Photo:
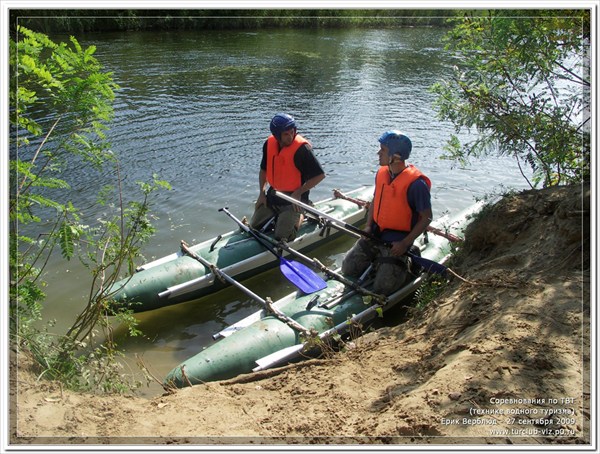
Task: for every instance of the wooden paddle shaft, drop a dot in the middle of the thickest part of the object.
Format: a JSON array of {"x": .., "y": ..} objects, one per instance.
[
  {"x": 429, "y": 265},
  {"x": 357, "y": 232},
  {"x": 266, "y": 303}
]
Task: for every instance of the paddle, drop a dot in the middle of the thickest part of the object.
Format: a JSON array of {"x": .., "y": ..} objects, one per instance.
[
  {"x": 364, "y": 204},
  {"x": 265, "y": 302},
  {"x": 314, "y": 263},
  {"x": 429, "y": 265},
  {"x": 297, "y": 273}
]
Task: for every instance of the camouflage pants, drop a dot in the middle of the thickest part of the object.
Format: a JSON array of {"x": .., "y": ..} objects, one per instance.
[
  {"x": 390, "y": 272},
  {"x": 287, "y": 223}
]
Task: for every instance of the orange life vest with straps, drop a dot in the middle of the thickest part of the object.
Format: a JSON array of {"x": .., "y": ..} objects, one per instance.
[
  {"x": 282, "y": 173},
  {"x": 391, "y": 209}
]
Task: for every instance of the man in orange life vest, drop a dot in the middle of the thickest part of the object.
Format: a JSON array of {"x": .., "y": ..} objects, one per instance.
[
  {"x": 399, "y": 213},
  {"x": 288, "y": 165}
]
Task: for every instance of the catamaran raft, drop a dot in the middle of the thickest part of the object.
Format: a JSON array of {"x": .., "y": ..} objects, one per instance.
[{"x": 289, "y": 328}]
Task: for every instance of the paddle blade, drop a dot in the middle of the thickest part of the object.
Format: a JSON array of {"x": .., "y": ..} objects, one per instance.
[
  {"x": 301, "y": 276},
  {"x": 428, "y": 265}
]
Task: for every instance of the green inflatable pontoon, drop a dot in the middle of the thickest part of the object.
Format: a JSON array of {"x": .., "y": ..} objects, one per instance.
[
  {"x": 291, "y": 326},
  {"x": 177, "y": 277}
]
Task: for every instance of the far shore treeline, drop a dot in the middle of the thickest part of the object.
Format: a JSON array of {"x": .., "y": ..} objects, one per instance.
[
  {"x": 81, "y": 20},
  {"x": 87, "y": 20}
]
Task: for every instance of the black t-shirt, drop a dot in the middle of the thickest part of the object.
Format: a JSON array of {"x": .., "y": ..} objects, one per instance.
[{"x": 304, "y": 160}]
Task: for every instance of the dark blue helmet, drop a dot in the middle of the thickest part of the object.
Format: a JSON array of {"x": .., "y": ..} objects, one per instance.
[
  {"x": 280, "y": 123},
  {"x": 397, "y": 143}
]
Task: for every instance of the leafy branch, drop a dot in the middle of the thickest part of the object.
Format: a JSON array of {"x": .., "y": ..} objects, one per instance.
[
  {"x": 522, "y": 83},
  {"x": 67, "y": 81}
]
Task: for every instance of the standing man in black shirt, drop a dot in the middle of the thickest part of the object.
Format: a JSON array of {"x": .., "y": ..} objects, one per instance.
[{"x": 288, "y": 165}]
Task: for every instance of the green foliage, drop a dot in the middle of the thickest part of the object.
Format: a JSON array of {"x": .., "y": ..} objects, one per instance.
[
  {"x": 66, "y": 81},
  {"x": 80, "y": 367},
  {"x": 523, "y": 84},
  {"x": 109, "y": 249},
  {"x": 46, "y": 76},
  {"x": 66, "y": 239},
  {"x": 86, "y": 357},
  {"x": 63, "y": 79},
  {"x": 428, "y": 292}
]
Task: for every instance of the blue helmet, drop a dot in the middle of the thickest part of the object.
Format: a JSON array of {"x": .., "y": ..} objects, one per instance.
[
  {"x": 281, "y": 122},
  {"x": 397, "y": 143}
]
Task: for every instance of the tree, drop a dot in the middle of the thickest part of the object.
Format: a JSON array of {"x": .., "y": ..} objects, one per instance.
[
  {"x": 60, "y": 107},
  {"x": 67, "y": 81},
  {"x": 523, "y": 83}
]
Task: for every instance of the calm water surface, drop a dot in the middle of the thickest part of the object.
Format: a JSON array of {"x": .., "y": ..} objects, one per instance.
[{"x": 194, "y": 108}]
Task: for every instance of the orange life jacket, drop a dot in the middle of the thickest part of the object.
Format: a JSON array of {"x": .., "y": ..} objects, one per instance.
[
  {"x": 390, "y": 204},
  {"x": 282, "y": 173}
]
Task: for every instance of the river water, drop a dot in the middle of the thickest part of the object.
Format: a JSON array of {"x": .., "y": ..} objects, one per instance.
[{"x": 194, "y": 108}]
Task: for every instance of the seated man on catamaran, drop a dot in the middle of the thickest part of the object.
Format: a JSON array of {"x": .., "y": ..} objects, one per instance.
[
  {"x": 399, "y": 213},
  {"x": 288, "y": 165}
]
